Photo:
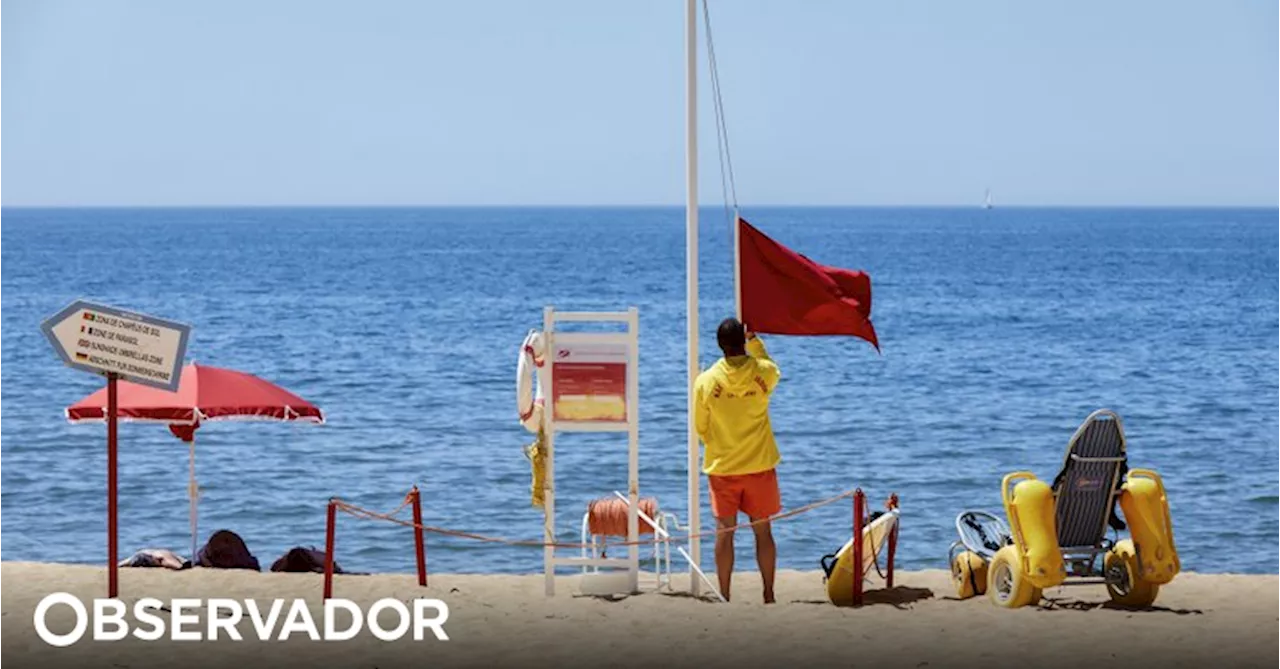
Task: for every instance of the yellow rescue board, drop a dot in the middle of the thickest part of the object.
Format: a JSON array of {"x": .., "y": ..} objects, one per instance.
[{"x": 875, "y": 537}]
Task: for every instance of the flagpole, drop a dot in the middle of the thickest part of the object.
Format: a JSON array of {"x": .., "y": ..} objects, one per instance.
[
  {"x": 737, "y": 264},
  {"x": 691, "y": 274}
]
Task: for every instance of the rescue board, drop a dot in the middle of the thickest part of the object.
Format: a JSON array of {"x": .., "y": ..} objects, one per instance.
[{"x": 875, "y": 536}]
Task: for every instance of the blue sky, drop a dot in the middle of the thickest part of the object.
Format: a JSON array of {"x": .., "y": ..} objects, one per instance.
[{"x": 581, "y": 102}]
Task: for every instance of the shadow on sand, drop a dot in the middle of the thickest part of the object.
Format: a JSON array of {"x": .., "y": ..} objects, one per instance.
[
  {"x": 899, "y": 597},
  {"x": 1078, "y": 605},
  {"x": 620, "y": 597}
]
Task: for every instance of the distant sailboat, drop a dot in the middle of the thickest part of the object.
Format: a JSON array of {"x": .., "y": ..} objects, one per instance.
[{"x": 987, "y": 203}]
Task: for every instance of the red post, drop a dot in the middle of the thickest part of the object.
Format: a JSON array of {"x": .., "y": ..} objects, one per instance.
[
  {"x": 113, "y": 585},
  {"x": 859, "y": 509},
  {"x": 419, "y": 541},
  {"x": 893, "y": 542},
  {"x": 329, "y": 527}
]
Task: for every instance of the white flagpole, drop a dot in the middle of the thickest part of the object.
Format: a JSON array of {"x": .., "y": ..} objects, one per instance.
[{"x": 691, "y": 273}]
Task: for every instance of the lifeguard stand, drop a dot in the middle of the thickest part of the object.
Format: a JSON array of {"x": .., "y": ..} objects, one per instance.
[{"x": 593, "y": 386}]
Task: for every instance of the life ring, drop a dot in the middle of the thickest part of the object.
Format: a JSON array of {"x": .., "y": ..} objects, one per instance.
[{"x": 528, "y": 403}]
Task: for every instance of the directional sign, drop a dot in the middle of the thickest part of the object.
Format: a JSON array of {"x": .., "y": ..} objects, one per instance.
[{"x": 102, "y": 339}]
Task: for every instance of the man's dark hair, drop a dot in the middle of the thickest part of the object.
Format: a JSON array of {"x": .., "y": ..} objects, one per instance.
[{"x": 732, "y": 337}]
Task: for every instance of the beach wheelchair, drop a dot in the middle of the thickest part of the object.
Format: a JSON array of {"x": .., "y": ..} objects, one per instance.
[{"x": 1057, "y": 534}]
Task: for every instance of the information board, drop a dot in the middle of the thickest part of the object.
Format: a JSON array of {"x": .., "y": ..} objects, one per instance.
[{"x": 589, "y": 383}]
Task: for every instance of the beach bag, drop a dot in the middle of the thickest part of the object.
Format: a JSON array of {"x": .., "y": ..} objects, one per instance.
[
  {"x": 303, "y": 559},
  {"x": 226, "y": 550}
]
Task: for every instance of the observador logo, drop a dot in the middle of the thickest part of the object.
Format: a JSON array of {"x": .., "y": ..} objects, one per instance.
[{"x": 180, "y": 620}]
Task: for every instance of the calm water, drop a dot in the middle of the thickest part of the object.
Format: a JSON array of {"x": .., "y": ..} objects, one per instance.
[{"x": 1001, "y": 331}]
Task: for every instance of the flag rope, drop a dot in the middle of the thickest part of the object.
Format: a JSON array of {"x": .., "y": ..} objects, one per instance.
[{"x": 728, "y": 186}]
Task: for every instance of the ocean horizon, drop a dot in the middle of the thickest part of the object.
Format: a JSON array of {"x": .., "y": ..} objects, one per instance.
[
  {"x": 1001, "y": 331},
  {"x": 703, "y": 209}
]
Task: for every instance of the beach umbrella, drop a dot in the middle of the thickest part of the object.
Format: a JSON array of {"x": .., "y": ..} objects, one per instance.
[{"x": 204, "y": 394}]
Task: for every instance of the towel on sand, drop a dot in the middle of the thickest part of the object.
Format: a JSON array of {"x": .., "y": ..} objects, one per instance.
[{"x": 156, "y": 557}]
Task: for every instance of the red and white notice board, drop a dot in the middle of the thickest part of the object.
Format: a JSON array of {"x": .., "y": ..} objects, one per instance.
[{"x": 589, "y": 382}]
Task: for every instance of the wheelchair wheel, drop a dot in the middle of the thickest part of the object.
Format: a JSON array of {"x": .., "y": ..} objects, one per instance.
[
  {"x": 1007, "y": 586},
  {"x": 1124, "y": 584}
]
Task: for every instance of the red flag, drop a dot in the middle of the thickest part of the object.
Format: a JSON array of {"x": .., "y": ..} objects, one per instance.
[{"x": 785, "y": 293}]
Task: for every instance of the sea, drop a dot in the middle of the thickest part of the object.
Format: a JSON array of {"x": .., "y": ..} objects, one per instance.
[{"x": 1001, "y": 330}]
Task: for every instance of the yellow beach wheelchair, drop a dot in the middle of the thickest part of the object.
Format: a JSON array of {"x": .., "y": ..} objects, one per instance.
[
  {"x": 1058, "y": 534},
  {"x": 982, "y": 535}
]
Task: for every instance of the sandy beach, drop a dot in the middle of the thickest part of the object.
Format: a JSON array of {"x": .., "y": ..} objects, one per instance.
[{"x": 495, "y": 620}]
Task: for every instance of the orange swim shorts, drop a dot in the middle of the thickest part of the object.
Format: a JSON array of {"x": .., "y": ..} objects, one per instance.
[{"x": 756, "y": 494}]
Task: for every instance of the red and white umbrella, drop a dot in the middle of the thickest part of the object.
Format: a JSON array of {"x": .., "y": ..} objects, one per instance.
[{"x": 204, "y": 394}]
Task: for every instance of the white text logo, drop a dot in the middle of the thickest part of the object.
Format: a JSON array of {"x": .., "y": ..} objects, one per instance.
[{"x": 341, "y": 619}]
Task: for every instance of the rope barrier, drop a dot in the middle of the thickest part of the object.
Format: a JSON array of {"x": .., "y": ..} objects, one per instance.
[
  {"x": 368, "y": 514},
  {"x": 414, "y": 498},
  {"x": 408, "y": 499}
]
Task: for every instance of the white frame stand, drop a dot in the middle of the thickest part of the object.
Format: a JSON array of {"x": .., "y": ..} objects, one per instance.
[{"x": 630, "y": 339}]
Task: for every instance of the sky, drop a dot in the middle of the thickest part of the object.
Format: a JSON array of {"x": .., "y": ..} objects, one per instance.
[{"x": 488, "y": 102}]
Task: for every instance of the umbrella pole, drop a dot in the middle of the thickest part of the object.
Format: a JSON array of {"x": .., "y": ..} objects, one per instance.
[
  {"x": 193, "y": 493},
  {"x": 112, "y": 409}
]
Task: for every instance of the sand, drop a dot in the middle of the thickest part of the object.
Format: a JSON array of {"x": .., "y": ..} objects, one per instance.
[{"x": 1200, "y": 620}]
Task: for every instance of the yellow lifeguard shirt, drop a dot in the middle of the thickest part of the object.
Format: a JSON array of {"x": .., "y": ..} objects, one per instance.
[{"x": 731, "y": 407}]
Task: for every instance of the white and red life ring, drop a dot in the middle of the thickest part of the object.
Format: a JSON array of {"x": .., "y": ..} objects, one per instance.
[{"x": 532, "y": 359}]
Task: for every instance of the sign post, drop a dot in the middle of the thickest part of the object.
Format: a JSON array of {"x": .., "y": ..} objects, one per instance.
[
  {"x": 593, "y": 386},
  {"x": 117, "y": 344},
  {"x": 113, "y": 558}
]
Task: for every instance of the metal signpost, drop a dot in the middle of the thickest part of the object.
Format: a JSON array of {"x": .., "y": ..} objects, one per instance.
[{"x": 119, "y": 345}]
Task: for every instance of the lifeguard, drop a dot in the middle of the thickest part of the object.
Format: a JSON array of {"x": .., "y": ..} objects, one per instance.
[{"x": 732, "y": 418}]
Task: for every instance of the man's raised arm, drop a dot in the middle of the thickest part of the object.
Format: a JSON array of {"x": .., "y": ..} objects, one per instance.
[{"x": 756, "y": 349}]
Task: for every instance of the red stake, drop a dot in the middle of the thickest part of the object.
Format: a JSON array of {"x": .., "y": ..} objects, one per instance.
[
  {"x": 330, "y": 522},
  {"x": 893, "y": 542},
  {"x": 419, "y": 542},
  {"x": 859, "y": 508},
  {"x": 113, "y": 588}
]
